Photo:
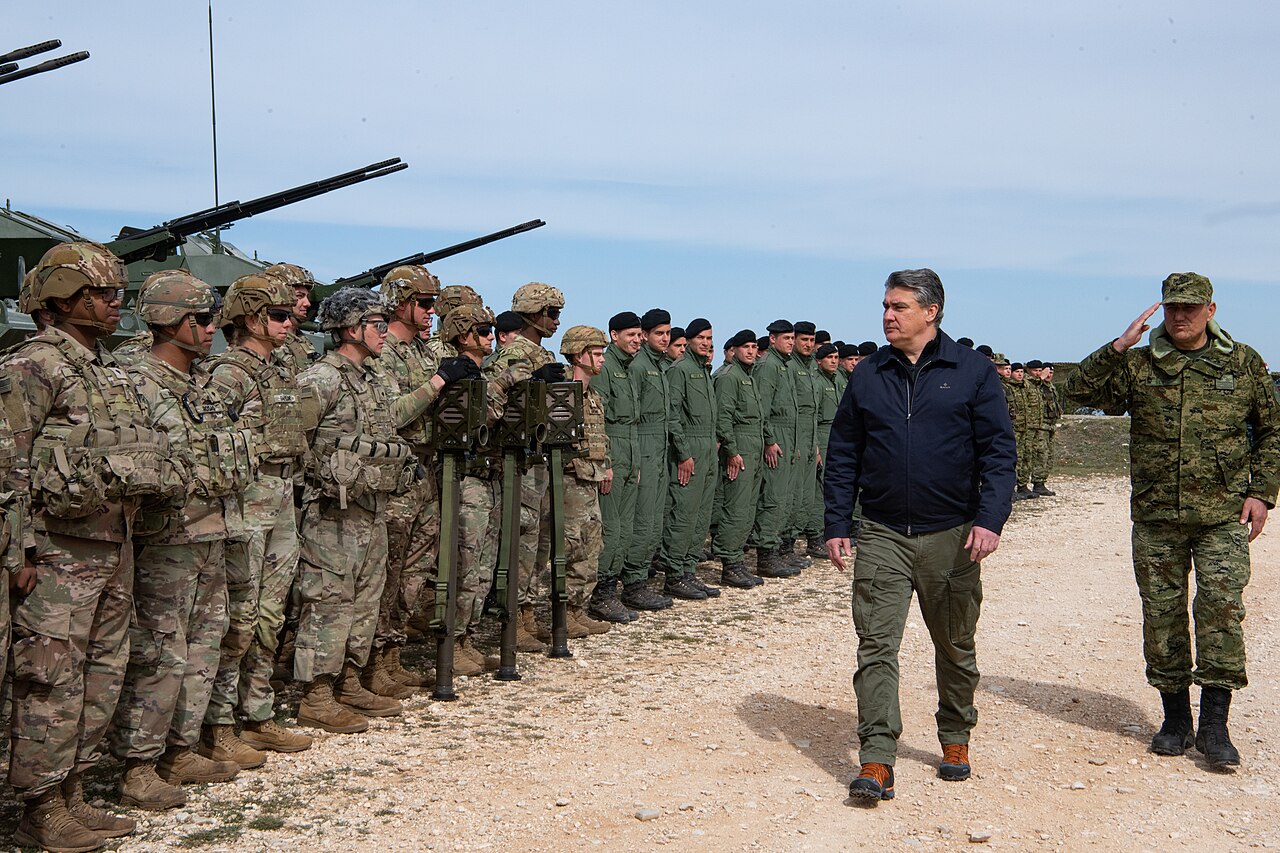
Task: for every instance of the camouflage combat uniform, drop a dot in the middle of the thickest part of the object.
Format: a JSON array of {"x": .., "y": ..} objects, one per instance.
[
  {"x": 1017, "y": 403},
  {"x": 583, "y": 527},
  {"x": 1052, "y": 415},
  {"x": 1191, "y": 466},
  {"x": 14, "y": 501},
  {"x": 180, "y": 581},
  {"x": 1032, "y": 463},
  {"x": 296, "y": 354}
]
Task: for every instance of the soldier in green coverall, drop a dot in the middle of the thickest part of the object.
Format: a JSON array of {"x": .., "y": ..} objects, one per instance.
[
  {"x": 805, "y": 511},
  {"x": 775, "y": 385},
  {"x": 740, "y": 432}
]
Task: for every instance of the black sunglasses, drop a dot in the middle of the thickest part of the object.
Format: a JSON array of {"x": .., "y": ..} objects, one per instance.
[
  {"x": 553, "y": 313},
  {"x": 484, "y": 331},
  {"x": 425, "y": 302},
  {"x": 279, "y": 315},
  {"x": 204, "y": 318}
]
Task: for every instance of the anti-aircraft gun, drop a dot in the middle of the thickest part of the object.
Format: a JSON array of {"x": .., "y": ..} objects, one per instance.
[{"x": 9, "y": 70}]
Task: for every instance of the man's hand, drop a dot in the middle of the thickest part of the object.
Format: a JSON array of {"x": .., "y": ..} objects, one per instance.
[
  {"x": 819, "y": 457},
  {"x": 772, "y": 454},
  {"x": 734, "y": 467},
  {"x": 607, "y": 483},
  {"x": 982, "y": 543},
  {"x": 1254, "y": 514},
  {"x": 24, "y": 579},
  {"x": 837, "y": 550},
  {"x": 684, "y": 471},
  {"x": 1133, "y": 335}
]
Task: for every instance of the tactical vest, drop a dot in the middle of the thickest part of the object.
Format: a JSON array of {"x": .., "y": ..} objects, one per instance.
[
  {"x": 13, "y": 417},
  {"x": 418, "y": 431},
  {"x": 221, "y": 456},
  {"x": 287, "y": 411},
  {"x": 79, "y": 468},
  {"x": 374, "y": 460}
]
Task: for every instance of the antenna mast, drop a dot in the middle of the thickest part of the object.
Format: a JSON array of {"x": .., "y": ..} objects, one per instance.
[{"x": 213, "y": 114}]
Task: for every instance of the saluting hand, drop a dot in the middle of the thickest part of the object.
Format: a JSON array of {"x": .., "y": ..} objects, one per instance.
[{"x": 1136, "y": 330}]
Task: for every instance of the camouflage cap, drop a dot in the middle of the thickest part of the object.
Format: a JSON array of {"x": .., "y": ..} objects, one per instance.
[
  {"x": 1186, "y": 288},
  {"x": 578, "y": 338},
  {"x": 349, "y": 306},
  {"x": 535, "y": 296},
  {"x": 454, "y": 295},
  {"x": 1000, "y": 359},
  {"x": 292, "y": 275},
  {"x": 407, "y": 281},
  {"x": 68, "y": 267},
  {"x": 463, "y": 319},
  {"x": 250, "y": 294},
  {"x": 168, "y": 296}
]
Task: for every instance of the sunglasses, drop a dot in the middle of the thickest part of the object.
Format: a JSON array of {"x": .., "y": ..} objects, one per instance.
[
  {"x": 484, "y": 331},
  {"x": 279, "y": 315},
  {"x": 106, "y": 294},
  {"x": 426, "y": 302},
  {"x": 553, "y": 313},
  {"x": 204, "y": 318},
  {"x": 379, "y": 325}
]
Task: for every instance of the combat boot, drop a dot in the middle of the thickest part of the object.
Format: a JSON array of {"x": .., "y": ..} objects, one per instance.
[
  {"x": 527, "y": 640},
  {"x": 604, "y": 604},
  {"x": 816, "y": 548},
  {"x": 321, "y": 710},
  {"x": 269, "y": 735},
  {"x": 418, "y": 627},
  {"x": 463, "y": 663},
  {"x": 737, "y": 576},
  {"x": 770, "y": 565},
  {"x": 579, "y": 615},
  {"x": 488, "y": 663},
  {"x": 1041, "y": 490},
  {"x": 789, "y": 556},
  {"x": 92, "y": 818},
  {"x": 682, "y": 588},
  {"x": 350, "y": 694},
  {"x": 142, "y": 788},
  {"x": 638, "y": 596},
  {"x": 531, "y": 624},
  {"x": 574, "y": 629},
  {"x": 376, "y": 679},
  {"x": 1024, "y": 494},
  {"x": 405, "y": 676},
  {"x": 711, "y": 591},
  {"x": 182, "y": 765},
  {"x": 219, "y": 743},
  {"x": 1176, "y": 732},
  {"x": 47, "y": 825},
  {"x": 1213, "y": 739}
]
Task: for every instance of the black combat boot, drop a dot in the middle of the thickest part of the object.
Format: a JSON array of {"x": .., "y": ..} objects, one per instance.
[
  {"x": 737, "y": 576},
  {"x": 711, "y": 591},
  {"x": 638, "y": 596},
  {"x": 816, "y": 548},
  {"x": 1177, "y": 732},
  {"x": 1024, "y": 494},
  {"x": 1213, "y": 739},
  {"x": 768, "y": 565},
  {"x": 605, "y": 606},
  {"x": 787, "y": 553},
  {"x": 1041, "y": 490},
  {"x": 681, "y": 587}
]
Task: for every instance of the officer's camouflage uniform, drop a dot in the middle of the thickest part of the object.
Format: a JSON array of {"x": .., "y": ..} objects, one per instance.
[
  {"x": 653, "y": 409},
  {"x": 617, "y": 388},
  {"x": 1034, "y": 439},
  {"x": 1017, "y": 403},
  {"x": 1191, "y": 466},
  {"x": 740, "y": 431},
  {"x": 1052, "y": 415},
  {"x": 692, "y": 430},
  {"x": 775, "y": 386},
  {"x": 180, "y": 581}
]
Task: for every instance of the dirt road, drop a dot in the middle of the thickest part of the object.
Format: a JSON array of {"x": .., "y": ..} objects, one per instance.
[{"x": 729, "y": 725}]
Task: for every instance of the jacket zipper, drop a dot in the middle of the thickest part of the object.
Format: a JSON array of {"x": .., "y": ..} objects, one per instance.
[{"x": 911, "y": 383}]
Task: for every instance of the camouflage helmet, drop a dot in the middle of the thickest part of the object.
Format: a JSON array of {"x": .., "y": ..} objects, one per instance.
[
  {"x": 407, "y": 281},
  {"x": 463, "y": 319},
  {"x": 170, "y": 295},
  {"x": 292, "y": 275},
  {"x": 25, "y": 293},
  {"x": 535, "y": 296},
  {"x": 578, "y": 338},
  {"x": 349, "y": 306},
  {"x": 251, "y": 294},
  {"x": 68, "y": 267},
  {"x": 453, "y": 296}
]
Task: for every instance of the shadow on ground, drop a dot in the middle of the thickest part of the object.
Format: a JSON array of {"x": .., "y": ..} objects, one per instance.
[{"x": 1102, "y": 712}]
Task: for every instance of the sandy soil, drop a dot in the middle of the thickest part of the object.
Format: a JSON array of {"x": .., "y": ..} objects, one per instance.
[{"x": 730, "y": 725}]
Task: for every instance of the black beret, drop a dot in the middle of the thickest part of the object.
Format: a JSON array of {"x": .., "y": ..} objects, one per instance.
[
  {"x": 824, "y": 351},
  {"x": 823, "y": 336},
  {"x": 780, "y": 327},
  {"x": 847, "y": 350},
  {"x": 804, "y": 327},
  {"x": 1017, "y": 365},
  {"x": 1035, "y": 364},
  {"x": 697, "y": 326},
  {"x": 838, "y": 343},
  {"x": 624, "y": 320},
  {"x": 655, "y": 317},
  {"x": 868, "y": 348},
  {"x": 986, "y": 350},
  {"x": 965, "y": 342},
  {"x": 677, "y": 333},
  {"x": 508, "y": 321},
  {"x": 763, "y": 343},
  {"x": 746, "y": 336}
]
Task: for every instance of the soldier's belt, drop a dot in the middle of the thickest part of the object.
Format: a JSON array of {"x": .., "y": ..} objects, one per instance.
[{"x": 652, "y": 428}]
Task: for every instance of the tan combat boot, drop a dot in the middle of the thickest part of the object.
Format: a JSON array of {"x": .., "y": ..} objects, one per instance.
[
  {"x": 94, "y": 819},
  {"x": 320, "y": 710},
  {"x": 182, "y": 765},
  {"x": 142, "y": 788},
  {"x": 270, "y": 735},
  {"x": 377, "y": 679},
  {"x": 542, "y": 633},
  {"x": 490, "y": 663},
  {"x": 350, "y": 694},
  {"x": 47, "y": 825},
  {"x": 219, "y": 743},
  {"x": 526, "y": 636},
  {"x": 579, "y": 615},
  {"x": 465, "y": 663},
  {"x": 574, "y": 629},
  {"x": 405, "y": 676}
]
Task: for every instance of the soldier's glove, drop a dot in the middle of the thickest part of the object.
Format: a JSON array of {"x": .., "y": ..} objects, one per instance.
[
  {"x": 553, "y": 372},
  {"x": 453, "y": 369}
]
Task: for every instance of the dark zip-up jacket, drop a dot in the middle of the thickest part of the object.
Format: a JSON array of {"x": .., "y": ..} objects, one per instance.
[{"x": 924, "y": 454}]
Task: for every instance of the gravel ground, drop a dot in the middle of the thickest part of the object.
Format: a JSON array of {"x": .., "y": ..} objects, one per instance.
[{"x": 730, "y": 725}]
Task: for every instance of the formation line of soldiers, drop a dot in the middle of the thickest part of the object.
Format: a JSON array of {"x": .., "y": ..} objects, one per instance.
[{"x": 182, "y": 531}]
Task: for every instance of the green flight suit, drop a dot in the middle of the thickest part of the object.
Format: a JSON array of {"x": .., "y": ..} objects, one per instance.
[
  {"x": 805, "y": 370},
  {"x": 775, "y": 385},
  {"x": 653, "y": 409},
  {"x": 692, "y": 436},
  {"x": 740, "y": 431},
  {"x": 618, "y": 508},
  {"x": 828, "y": 400}
]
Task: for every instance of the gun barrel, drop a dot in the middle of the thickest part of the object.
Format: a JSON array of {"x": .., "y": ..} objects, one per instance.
[
  {"x": 48, "y": 65},
  {"x": 374, "y": 276},
  {"x": 24, "y": 52},
  {"x": 7, "y": 67}
]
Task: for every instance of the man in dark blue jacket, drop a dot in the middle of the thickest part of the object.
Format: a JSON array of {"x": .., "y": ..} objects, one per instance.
[{"x": 923, "y": 437}]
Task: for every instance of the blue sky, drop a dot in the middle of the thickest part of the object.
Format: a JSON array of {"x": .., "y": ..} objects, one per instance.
[{"x": 741, "y": 161}]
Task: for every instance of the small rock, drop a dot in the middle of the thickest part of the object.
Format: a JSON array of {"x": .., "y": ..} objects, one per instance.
[
  {"x": 802, "y": 744},
  {"x": 1124, "y": 790},
  {"x": 1077, "y": 785},
  {"x": 979, "y": 836},
  {"x": 686, "y": 807},
  {"x": 647, "y": 814},
  {"x": 1097, "y": 762},
  {"x": 563, "y": 801}
]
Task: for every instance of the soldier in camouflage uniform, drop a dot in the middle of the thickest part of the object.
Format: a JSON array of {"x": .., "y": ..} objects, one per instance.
[
  {"x": 180, "y": 578},
  {"x": 91, "y": 455},
  {"x": 693, "y": 465},
  {"x": 1201, "y": 491},
  {"x": 774, "y": 380},
  {"x": 804, "y": 511},
  {"x": 740, "y": 433},
  {"x": 540, "y": 306},
  {"x": 413, "y": 519},
  {"x": 1040, "y": 378},
  {"x": 449, "y": 298},
  {"x": 1017, "y": 403},
  {"x": 297, "y": 353},
  {"x": 262, "y": 555}
]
